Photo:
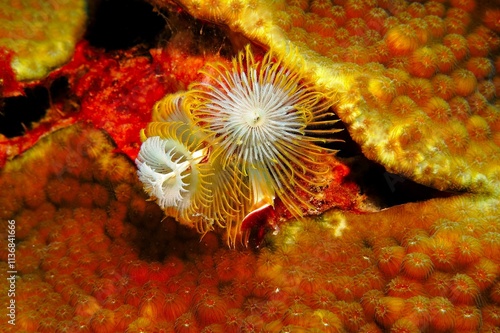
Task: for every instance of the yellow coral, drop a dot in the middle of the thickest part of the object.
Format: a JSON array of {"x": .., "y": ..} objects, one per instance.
[
  {"x": 400, "y": 36},
  {"x": 42, "y": 34}
]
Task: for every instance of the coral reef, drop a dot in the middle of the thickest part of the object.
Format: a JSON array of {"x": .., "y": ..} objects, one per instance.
[
  {"x": 115, "y": 91},
  {"x": 415, "y": 83},
  {"x": 372, "y": 52},
  {"x": 92, "y": 255}
]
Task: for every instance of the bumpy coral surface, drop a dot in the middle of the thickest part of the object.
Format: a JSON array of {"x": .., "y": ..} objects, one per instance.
[
  {"x": 93, "y": 255},
  {"x": 414, "y": 81},
  {"x": 41, "y": 34}
]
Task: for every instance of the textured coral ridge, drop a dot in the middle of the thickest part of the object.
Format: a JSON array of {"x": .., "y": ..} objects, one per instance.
[
  {"x": 42, "y": 34},
  {"x": 416, "y": 80},
  {"x": 93, "y": 255},
  {"x": 241, "y": 137},
  {"x": 437, "y": 272}
]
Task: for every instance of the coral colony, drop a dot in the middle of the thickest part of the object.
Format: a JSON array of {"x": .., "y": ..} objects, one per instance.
[
  {"x": 234, "y": 142},
  {"x": 244, "y": 210}
]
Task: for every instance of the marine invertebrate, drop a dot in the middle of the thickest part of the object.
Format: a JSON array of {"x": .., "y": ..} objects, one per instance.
[
  {"x": 442, "y": 314},
  {"x": 170, "y": 169},
  {"x": 417, "y": 311},
  {"x": 390, "y": 260},
  {"x": 480, "y": 66},
  {"x": 186, "y": 323},
  {"x": 103, "y": 321},
  {"x": 417, "y": 265},
  {"x": 253, "y": 130},
  {"x": 264, "y": 116},
  {"x": 152, "y": 304},
  {"x": 402, "y": 40},
  {"x": 457, "y": 45},
  {"x": 211, "y": 309},
  {"x": 163, "y": 166},
  {"x": 423, "y": 62},
  {"x": 338, "y": 238},
  {"x": 388, "y": 310},
  {"x": 174, "y": 306},
  {"x": 199, "y": 201},
  {"x": 465, "y": 82},
  {"x": 443, "y": 86},
  {"x": 463, "y": 290}
]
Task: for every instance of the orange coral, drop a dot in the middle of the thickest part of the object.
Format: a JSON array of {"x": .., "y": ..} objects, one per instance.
[{"x": 98, "y": 262}]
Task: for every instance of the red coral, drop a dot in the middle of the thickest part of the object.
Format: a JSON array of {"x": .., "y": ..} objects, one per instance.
[
  {"x": 116, "y": 91},
  {"x": 9, "y": 86}
]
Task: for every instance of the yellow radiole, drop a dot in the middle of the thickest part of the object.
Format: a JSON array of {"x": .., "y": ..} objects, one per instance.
[{"x": 234, "y": 142}]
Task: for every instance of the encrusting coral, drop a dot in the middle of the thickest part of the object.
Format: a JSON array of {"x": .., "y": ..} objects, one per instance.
[
  {"x": 416, "y": 84},
  {"x": 398, "y": 38},
  {"x": 92, "y": 255},
  {"x": 41, "y": 34}
]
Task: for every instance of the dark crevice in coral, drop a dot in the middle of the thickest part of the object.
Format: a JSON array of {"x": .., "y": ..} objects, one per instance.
[
  {"x": 122, "y": 24},
  {"x": 198, "y": 37},
  {"x": 383, "y": 188},
  {"x": 345, "y": 145},
  {"x": 18, "y": 113},
  {"x": 59, "y": 89},
  {"x": 62, "y": 98},
  {"x": 213, "y": 39},
  {"x": 386, "y": 189}
]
